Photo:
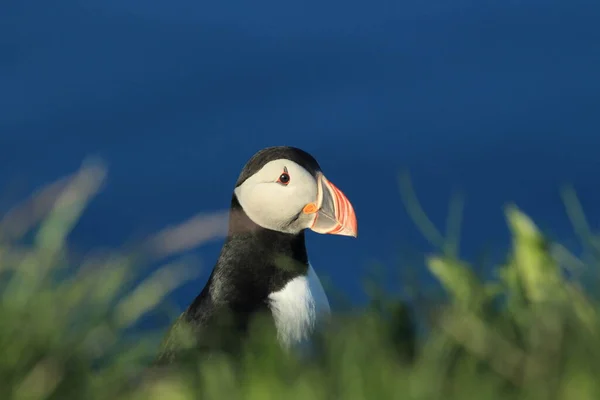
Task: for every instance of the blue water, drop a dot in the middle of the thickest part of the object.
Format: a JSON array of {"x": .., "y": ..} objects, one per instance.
[{"x": 499, "y": 99}]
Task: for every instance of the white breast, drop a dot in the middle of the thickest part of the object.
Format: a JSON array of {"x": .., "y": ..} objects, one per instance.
[{"x": 298, "y": 308}]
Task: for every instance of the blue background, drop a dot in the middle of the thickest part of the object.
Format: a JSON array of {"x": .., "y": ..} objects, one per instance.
[{"x": 499, "y": 99}]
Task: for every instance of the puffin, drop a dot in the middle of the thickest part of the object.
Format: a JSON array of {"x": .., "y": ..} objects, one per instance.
[{"x": 263, "y": 267}]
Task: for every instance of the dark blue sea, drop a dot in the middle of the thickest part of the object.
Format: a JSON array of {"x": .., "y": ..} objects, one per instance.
[{"x": 497, "y": 99}]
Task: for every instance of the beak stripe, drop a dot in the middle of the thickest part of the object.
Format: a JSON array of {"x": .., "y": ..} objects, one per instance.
[
  {"x": 340, "y": 207},
  {"x": 335, "y": 208}
]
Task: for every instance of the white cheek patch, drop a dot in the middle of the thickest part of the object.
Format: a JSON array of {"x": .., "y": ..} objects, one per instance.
[{"x": 273, "y": 205}]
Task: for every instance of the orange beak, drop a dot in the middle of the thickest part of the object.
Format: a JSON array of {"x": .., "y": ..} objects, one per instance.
[{"x": 333, "y": 211}]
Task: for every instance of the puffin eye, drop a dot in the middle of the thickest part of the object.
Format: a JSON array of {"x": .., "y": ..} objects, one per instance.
[{"x": 284, "y": 178}]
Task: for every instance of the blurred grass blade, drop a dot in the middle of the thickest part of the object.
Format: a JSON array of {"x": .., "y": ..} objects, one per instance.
[
  {"x": 69, "y": 206},
  {"x": 566, "y": 259},
  {"x": 51, "y": 236},
  {"x": 537, "y": 270},
  {"x": 453, "y": 224},
  {"x": 579, "y": 221},
  {"x": 473, "y": 334},
  {"x": 459, "y": 280},
  {"x": 23, "y": 217},
  {"x": 150, "y": 292},
  {"x": 188, "y": 235},
  {"x": 417, "y": 214},
  {"x": 40, "y": 382}
]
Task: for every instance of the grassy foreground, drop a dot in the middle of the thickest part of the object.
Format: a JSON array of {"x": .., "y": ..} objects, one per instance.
[{"x": 528, "y": 334}]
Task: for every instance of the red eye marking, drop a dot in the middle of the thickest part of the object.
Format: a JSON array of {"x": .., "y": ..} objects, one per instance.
[{"x": 284, "y": 178}]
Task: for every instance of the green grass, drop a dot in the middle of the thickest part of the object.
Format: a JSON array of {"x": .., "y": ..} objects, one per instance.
[{"x": 527, "y": 334}]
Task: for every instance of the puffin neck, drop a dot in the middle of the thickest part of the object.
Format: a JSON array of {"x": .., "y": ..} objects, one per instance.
[{"x": 267, "y": 243}]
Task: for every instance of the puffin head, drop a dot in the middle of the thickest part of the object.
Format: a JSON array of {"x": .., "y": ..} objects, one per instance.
[{"x": 283, "y": 189}]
